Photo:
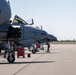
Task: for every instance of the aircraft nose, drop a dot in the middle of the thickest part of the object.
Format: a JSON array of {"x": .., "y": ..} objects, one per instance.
[
  {"x": 55, "y": 39},
  {"x": 43, "y": 35}
]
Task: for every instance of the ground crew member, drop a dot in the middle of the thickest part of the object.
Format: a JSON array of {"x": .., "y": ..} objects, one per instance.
[{"x": 48, "y": 46}]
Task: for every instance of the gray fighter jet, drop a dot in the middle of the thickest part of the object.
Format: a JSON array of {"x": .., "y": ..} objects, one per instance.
[
  {"x": 8, "y": 33},
  {"x": 16, "y": 32}
]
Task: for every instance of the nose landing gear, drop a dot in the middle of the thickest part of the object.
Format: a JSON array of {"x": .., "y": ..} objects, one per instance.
[
  {"x": 11, "y": 53},
  {"x": 33, "y": 51}
]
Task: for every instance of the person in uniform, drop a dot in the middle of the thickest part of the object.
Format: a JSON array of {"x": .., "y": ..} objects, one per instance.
[{"x": 48, "y": 47}]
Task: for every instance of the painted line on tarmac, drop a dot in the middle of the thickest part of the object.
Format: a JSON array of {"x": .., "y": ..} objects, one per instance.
[{"x": 27, "y": 65}]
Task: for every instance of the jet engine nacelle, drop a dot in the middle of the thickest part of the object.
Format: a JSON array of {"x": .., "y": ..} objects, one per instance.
[
  {"x": 5, "y": 11},
  {"x": 10, "y": 32},
  {"x": 14, "y": 32}
]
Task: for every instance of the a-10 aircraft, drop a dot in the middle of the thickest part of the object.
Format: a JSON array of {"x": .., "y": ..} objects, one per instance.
[
  {"x": 16, "y": 32},
  {"x": 7, "y": 32},
  {"x": 36, "y": 35}
]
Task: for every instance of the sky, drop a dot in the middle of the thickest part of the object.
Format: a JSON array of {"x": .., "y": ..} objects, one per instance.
[{"x": 58, "y": 17}]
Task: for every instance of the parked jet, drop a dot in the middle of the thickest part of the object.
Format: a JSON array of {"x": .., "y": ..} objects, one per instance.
[
  {"x": 50, "y": 38},
  {"x": 46, "y": 41},
  {"x": 32, "y": 35},
  {"x": 16, "y": 32},
  {"x": 7, "y": 32}
]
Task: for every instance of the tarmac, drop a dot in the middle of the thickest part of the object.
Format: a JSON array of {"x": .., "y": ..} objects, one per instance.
[{"x": 60, "y": 61}]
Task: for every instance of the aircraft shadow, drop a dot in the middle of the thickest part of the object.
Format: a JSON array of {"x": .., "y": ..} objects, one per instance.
[
  {"x": 33, "y": 62},
  {"x": 45, "y": 53},
  {"x": 42, "y": 53}
]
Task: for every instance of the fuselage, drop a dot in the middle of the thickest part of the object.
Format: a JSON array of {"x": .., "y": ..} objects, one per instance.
[
  {"x": 31, "y": 35},
  {"x": 5, "y": 12}
]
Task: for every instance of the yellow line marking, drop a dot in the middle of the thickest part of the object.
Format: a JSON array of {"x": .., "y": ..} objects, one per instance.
[{"x": 68, "y": 61}]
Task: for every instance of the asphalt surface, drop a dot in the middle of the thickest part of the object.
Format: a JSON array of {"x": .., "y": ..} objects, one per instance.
[{"x": 60, "y": 61}]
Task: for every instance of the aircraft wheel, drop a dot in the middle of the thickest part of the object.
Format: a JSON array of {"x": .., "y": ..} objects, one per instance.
[
  {"x": 11, "y": 58},
  {"x": 0, "y": 51},
  {"x": 33, "y": 51}
]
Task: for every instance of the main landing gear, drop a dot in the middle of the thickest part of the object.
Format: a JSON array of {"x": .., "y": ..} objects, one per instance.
[{"x": 11, "y": 53}]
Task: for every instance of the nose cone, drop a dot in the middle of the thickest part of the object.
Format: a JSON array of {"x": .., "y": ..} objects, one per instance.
[
  {"x": 55, "y": 39},
  {"x": 51, "y": 38},
  {"x": 5, "y": 11}
]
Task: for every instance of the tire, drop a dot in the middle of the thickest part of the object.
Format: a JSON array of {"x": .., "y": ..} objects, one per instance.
[
  {"x": 0, "y": 51},
  {"x": 11, "y": 59},
  {"x": 33, "y": 51}
]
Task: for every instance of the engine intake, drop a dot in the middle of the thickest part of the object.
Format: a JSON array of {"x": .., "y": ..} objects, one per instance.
[{"x": 14, "y": 32}]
